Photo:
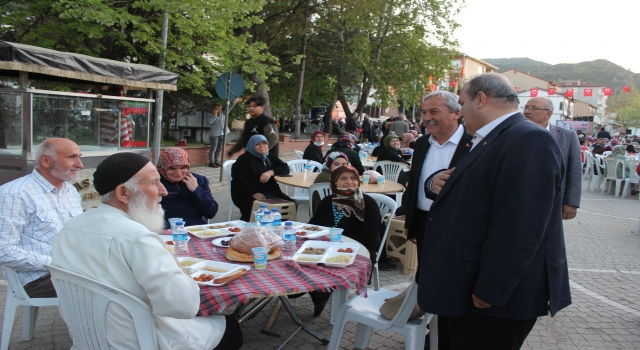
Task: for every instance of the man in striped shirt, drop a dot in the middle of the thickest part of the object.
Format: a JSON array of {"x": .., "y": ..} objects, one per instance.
[{"x": 34, "y": 208}]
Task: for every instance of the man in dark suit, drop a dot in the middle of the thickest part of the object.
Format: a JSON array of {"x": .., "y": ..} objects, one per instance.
[
  {"x": 493, "y": 257},
  {"x": 539, "y": 110},
  {"x": 444, "y": 145}
]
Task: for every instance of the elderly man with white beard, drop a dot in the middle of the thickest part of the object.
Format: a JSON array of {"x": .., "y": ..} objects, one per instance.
[{"x": 116, "y": 244}]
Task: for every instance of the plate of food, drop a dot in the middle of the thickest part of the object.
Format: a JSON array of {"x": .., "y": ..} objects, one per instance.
[
  {"x": 215, "y": 273},
  {"x": 187, "y": 261},
  {"x": 306, "y": 231},
  {"x": 335, "y": 259},
  {"x": 203, "y": 231},
  {"x": 232, "y": 227},
  {"x": 311, "y": 252},
  {"x": 222, "y": 242}
]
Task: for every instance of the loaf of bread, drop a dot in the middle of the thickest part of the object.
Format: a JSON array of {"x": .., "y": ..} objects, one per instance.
[
  {"x": 252, "y": 237},
  {"x": 234, "y": 255}
]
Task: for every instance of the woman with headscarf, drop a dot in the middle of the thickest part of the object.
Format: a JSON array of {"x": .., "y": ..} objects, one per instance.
[
  {"x": 333, "y": 160},
  {"x": 189, "y": 196},
  {"x": 407, "y": 139},
  {"x": 252, "y": 176},
  {"x": 345, "y": 144},
  {"x": 347, "y": 209},
  {"x": 390, "y": 150},
  {"x": 619, "y": 152},
  {"x": 314, "y": 150}
]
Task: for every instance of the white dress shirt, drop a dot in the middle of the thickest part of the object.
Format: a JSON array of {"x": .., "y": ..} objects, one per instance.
[
  {"x": 485, "y": 130},
  {"x": 438, "y": 157}
]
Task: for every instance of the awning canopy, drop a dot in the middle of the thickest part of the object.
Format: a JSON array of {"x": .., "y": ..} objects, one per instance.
[{"x": 33, "y": 59}]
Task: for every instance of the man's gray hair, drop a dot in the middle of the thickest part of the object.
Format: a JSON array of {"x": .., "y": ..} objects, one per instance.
[
  {"x": 45, "y": 149},
  {"x": 495, "y": 86},
  {"x": 131, "y": 184},
  {"x": 550, "y": 105},
  {"x": 450, "y": 100}
]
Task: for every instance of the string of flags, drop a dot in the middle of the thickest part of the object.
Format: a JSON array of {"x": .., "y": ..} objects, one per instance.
[{"x": 606, "y": 91}]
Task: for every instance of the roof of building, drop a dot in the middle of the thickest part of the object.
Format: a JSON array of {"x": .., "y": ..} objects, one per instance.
[
  {"x": 477, "y": 60},
  {"x": 533, "y": 76}
]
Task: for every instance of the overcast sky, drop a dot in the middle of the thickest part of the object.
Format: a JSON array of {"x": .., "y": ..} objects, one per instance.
[{"x": 552, "y": 31}]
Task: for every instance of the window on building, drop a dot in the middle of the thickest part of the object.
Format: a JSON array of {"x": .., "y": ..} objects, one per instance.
[
  {"x": 480, "y": 70},
  {"x": 455, "y": 63},
  {"x": 561, "y": 105}
]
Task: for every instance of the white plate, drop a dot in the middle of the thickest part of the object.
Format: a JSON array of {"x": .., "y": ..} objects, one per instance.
[
  {"x": 310, "y": 234},
  {"x": 217, "y": 242},
  {"x": 331, "y": 250},
  {"x": 203, "y": 232},
  {"x": 330, "y": 254},
  {"x": 311, "y": 259},
  {"x": 189, "y": 261},
  {"x": 224, "y": 269}
]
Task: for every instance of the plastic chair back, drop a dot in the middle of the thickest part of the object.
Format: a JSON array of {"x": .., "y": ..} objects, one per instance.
[
  {"x": 607, "y": 153},
  {"x": 17, "y": 296},
  {"x": 297, "y": 166},
  {"x": 387, "y": 206},
  {"x": 390, "y": 170},
  {"x": 227, "y": 171},
  {"x": 323, "y": 189},
  {"x": 299, "y": 154},
  {"x": 84, "y": 302}
]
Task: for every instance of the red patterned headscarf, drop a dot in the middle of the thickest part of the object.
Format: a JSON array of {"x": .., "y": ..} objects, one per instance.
[{"x": 172, "y": 156}]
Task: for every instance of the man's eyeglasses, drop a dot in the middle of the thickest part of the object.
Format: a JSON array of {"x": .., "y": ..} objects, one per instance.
[{"x": 535, "y": 108}]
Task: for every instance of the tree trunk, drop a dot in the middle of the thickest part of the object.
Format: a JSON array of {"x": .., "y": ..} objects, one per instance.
[
  {"x": 296, "y": 134},
  {"x": 328, "y": 120}
]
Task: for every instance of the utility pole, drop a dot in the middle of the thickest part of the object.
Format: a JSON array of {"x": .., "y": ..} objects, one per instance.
[{"x": 160, "y": 93}]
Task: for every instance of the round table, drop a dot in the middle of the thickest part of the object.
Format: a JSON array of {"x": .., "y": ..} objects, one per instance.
[{"x": 298, "y": 180}]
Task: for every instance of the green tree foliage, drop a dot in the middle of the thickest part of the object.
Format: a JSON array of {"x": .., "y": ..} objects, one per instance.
[
  {"x": 627, "y": 106},
  {"x": 201, "y": 40}
]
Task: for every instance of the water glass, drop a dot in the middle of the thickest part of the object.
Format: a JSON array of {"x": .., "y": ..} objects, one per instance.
[
  {"x": 335, "y": 234},
  {"x": 260, "y": 255},
  {"x": 366, "y": 178}
]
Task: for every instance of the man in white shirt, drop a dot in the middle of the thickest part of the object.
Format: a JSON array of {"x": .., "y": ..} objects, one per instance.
[
  {"x": 539, "y": 111},
  {"x": 127, "y": 254},
  {"x": 34, "y": 208}
]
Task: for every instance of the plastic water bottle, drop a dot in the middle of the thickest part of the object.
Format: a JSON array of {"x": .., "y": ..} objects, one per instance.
[
  {"x": 259, "y": 213},
  {"x": 288, "y": 241},
  {"x": 277, "y": 221},
  {"x": 307, "y": 169},
  {"x": 267, "y": 220},
  {"x": 180, "y": 236},
  {"x": 363, "y": 155}
]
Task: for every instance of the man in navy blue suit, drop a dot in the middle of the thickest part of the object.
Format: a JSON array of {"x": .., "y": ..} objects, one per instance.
[{"x": 493, "y": 256}]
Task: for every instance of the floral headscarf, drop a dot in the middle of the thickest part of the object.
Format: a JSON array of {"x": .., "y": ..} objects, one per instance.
[
  {"x": 172, "y": 156},
  {"x": 352, "y": 202},
  {"x": 619, "y": 150},
  {"x": 331, "y": 157},
  {"x": 345, "y": 140},
  {"x": 387, "y": 140}
]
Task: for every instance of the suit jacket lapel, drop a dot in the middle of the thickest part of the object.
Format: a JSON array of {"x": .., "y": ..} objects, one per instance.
[
  {"x": 472, "y": 155},
  {"x": 420, "y": 154},
  {"x": 462, "y": 149}
]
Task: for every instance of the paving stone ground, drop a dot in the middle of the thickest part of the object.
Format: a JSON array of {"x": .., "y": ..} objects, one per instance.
[{"x": 603, "y": 249}]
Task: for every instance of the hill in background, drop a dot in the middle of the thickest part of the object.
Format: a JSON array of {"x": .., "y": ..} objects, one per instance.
[{"x": 600, "y": 72}]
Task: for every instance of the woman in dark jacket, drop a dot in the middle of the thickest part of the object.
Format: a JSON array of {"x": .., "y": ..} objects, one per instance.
[
  {"x": 345, "y": 144},
  {"x": 389, "y": 150},
  {"x": 347, "y": 209},
  {"x": 252, "y": 176},
  {"x": 314, "y": 150},
  {"x": 189, "y": 196}
]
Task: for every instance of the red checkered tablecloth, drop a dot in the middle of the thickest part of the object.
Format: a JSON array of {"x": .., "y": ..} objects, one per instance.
[{"x": 281, "y": 277}]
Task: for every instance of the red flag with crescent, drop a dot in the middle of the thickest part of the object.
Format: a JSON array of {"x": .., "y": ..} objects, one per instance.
[
  {"x": 533, "y": 92},
  {"x": 607, "y": 91},
  {"x": 551, "y": 92},
  {"x": 626, "y": 88}
]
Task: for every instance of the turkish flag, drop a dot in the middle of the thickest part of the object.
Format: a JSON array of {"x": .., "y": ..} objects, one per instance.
[
  {"x": 551, "y": 92},
  {"x": 453, "y": 83},
  {"x": 588, "y": 92},
  {"x": 533, "y": 93},
  {"x": 626, "y": 88},
  {"x": 569, "y": 93},
  {"x": 607, "y": 91}
]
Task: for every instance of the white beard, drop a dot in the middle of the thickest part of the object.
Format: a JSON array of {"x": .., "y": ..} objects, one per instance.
[
  {"x": 139, "y": 211},
  {"x": 63, "y": 175}
]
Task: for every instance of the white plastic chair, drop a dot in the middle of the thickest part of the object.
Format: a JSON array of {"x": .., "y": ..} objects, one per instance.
[
  {"x": 390, "y": 170},
  {"x": 300, "y": 154},
  {"x": 16, "y": 296},
  {"x": 365, "y": 311},
  {"x": 607, "y": 154},
  {"x": 297, "y": 166},
  {"x": 612, "y": 166},
  {"x": 597, "y": 167},
  {"x": 587, "y": 169},
  {"x": 633, "y": 179},
  {"x": 227, "y": 170},
  {"x": 84, "y": 303},
  {"x": 323, "y": 189},
  {"x": 387, "y": 206}
]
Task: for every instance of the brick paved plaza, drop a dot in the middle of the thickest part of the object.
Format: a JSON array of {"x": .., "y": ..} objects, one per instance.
[{"x": 604, "y": 260}]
